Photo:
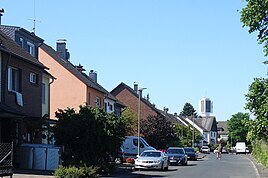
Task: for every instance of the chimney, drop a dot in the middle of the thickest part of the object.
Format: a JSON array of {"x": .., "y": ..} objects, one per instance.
[
  {"x": 93, "y": 75},
  {"x": 80, "y": 68},
  {"x": 136, "y": 87},
  {"x": 61, "y": 49},
  {"x": 165, "y": 109},
  {"x": 1, "y": 14}
]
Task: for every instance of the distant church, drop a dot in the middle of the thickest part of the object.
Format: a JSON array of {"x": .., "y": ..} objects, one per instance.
[{"x": 205, "y": 107}]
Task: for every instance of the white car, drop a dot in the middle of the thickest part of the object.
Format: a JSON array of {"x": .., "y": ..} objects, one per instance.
[
  {"x": 205, "y": 149},
  {"x": 152, "y": 159}
]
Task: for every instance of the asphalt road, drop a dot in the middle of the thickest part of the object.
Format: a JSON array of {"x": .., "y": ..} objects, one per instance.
[{"x": 230, "y": 166}]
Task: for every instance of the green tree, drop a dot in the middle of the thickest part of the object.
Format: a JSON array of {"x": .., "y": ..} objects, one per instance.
[
  {"x": 185, "y": 134},
  {"x": 87, "y": 135},
  {"x": 130, "y": 120},
  {"x": 257, "y": 104},
  {"x": 188, "y": 110},
  {"x": 255, "y": 16},
  {"x": 237, "y": 127},
  {"x": 159, "y": 132}
]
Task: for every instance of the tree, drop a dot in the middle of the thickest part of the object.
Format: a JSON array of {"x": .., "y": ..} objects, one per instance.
[
  {"x": 159, "y": 132},
  {"x": 237, "y": 127},
  {"x": 87, "y": 135},
  {"x": 185, "y": 134},
  {"x": 255, "y": 16},
  {"x": 188, "y": 110},
  {"x": 257, "y": 103},
  {"x": 129, "y": 118}
]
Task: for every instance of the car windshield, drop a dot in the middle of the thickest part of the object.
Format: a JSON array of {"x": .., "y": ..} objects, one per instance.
[
  {"x": 151, "y": 154},
  {"x": 205, "y": 147},
  {"x": 189, "y": 149},
  {"x": 144, "y": 142},
  {"x": 175, "y": 151}
]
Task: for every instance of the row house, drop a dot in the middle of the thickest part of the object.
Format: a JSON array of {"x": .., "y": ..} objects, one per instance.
[
  {"x": 20, "y": 93},
  {"x": 207, "y": 126},
  {"x": 72, "y": 86},
  {"x": 30, "y": 43},
  {"x": 131, "y": 98}
]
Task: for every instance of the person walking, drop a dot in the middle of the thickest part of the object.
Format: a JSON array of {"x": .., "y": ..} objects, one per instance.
[{"x": 219, "y": 151}]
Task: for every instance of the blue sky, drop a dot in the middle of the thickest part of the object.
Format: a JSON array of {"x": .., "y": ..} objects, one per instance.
[{"x": 180, "y": 50}]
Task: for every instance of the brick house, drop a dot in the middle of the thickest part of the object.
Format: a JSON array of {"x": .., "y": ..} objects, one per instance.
[
  {"x": 130, "y": 98},
  {"x": 72, "y": 86},
  {"x": 21, "y": 93}
]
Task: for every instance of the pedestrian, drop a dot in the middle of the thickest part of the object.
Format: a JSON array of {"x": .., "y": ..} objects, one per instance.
[{"x": 219, "y": 151}]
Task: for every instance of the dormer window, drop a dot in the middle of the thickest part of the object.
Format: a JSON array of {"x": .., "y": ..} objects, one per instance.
[
  {"x": 33, "y": 78},
  {"x": 21, "y": 42},
  {"x": 30, "y": 48}
]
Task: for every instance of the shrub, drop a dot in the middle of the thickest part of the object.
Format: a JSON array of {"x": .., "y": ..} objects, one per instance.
[
  {"x": 70, "y": 172},
  {"x": 74, "y": 172},
  {"x": 260, "y": 152}
]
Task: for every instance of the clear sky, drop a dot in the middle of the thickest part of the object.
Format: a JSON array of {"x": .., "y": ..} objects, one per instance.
[{"x": 180, "y": 50}]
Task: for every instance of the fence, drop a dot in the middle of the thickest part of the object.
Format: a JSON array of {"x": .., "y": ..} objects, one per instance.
[{"x": 6, "y": 159}]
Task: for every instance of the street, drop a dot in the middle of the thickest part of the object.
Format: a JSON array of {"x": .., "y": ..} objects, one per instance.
[{"x": 230, "y": 166}]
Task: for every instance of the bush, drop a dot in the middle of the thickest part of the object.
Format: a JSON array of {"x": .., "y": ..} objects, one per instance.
[
  {"x": 74, "y": 172},
  {"x": 260, "y": 152}
]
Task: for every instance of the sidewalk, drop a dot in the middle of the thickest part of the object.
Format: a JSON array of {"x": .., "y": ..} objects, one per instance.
[
  {"x": 263, "y": 171},
  {"x": 23, "y": 173}
]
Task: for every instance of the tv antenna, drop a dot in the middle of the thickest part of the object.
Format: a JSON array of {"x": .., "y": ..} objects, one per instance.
[{"x": 34, "y": 20}]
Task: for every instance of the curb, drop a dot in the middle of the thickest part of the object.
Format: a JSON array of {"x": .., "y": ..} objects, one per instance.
[{"x": 262, "y": 171}]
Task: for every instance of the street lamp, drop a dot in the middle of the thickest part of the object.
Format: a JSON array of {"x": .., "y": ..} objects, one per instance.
[
  {"x": 193, "y": 131},
  {"x": 139, "y": 113}
]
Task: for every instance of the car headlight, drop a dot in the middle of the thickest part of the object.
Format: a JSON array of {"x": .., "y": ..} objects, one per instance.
[{"x": 157, "y": 161}]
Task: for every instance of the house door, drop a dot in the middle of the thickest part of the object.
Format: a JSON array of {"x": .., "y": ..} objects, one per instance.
[{"x": 9, "y": 131}]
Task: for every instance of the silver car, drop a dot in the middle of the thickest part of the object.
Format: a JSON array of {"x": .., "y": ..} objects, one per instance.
[{"x": 152, "y": 159}]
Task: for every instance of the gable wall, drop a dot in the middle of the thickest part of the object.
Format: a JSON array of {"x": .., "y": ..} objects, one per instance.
[
  {"x": 131, "y": 101},
  {"x": 66, "y": 90}
]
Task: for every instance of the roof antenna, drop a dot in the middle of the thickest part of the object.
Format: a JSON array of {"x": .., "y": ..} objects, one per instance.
[
  {"x": 1, "y": 14},
  {"x": 34, "y": 20}
]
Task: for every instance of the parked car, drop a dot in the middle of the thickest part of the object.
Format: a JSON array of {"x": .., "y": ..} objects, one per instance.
[
  {"x": 177, "y": 156},
  {"x": 240, "y": 147},
  {"x": 130, "y": 146},
  {"x": 224, "y": 150},
  {"x": 190, "y": 153},
  {"x": 119, "y": 156},
  {"x": 205, "y": 149},
  {"x": 152, "y": 159}
]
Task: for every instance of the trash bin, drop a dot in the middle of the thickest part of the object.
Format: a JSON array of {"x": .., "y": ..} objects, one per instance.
[{"x": 39, "y": 156}]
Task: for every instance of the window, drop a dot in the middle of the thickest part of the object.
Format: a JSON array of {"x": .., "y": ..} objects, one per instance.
[
  {"x": 33, "y": 78},
  {"x": 43, "y": 93},
  {"x": 21, "y": 42},
  {"x": 105, "y": 107},
  {"x": 13, "y": 79},
  {"x": 135, "y": 142},
  {"x": 98, "y": 102},
  {"x": 208, "y": 106},
  {"x": 110, "y": 107},
  {"x": 30, "y": 48}
]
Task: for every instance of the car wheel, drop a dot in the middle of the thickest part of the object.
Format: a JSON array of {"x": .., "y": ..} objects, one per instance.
[{"x": 118, "y": 160}]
